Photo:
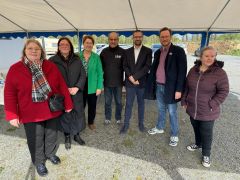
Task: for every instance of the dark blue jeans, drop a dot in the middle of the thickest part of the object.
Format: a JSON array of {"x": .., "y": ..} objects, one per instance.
[
  {"x": 115, "y": 92},
  {"x": 130, "y": 96}
]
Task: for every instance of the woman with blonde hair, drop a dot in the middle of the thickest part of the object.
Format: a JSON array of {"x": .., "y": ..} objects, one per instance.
[
  {"x": 206, "y": 89},
  {"x": 29, "y": 84}
]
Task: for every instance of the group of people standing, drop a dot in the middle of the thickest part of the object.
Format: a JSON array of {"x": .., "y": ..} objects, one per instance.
[{"x": 82, "y": 78}]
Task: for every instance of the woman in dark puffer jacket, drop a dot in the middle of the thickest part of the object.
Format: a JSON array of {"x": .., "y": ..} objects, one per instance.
[{"x": 206, "y": 88}]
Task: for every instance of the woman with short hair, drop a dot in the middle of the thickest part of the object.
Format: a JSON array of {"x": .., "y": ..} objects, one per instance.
[
  {"x": 94, "y": 83},
  {"x": 206, "y": 89},
  {"x": 29, "y": 84}
]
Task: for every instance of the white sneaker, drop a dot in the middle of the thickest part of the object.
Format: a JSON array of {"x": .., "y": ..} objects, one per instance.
[
  {"x": 206, "y": 161},
  {"x": 155, "y": 131},
  {"x": 173, "y": 141},
  {"x": 107, "y": 121},
  {"x": 193, "y": 147},
  {"x": 118, "y": 121}
]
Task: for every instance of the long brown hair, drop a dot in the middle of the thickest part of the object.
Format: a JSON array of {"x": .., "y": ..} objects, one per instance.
[{"x": 70, "y": 43}]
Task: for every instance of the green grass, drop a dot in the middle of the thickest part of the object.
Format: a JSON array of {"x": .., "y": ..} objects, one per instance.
[
  {"x": 11, "y": 129},
  {"x": 132, "y": 132},
  {"x": 1, "y": 169},
  {"x": 128, "y": 143},
  {"x": 234, "y": 52},
  {"x": 116, "y": 174}
]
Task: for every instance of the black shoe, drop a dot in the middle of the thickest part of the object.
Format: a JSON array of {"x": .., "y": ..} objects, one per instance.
[
  {"x": 68, "y": 142},
  {"x": 79, "y": 140},
  {"x": 142, "y": 128},
  {"x": 41, "y": 169},
  {"x": 124, "y": 130},
  {"x": 55, "y": 159}
]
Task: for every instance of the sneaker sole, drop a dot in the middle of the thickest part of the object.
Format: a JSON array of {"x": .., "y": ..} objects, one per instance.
[
  {"x": 206, "y": 165},
  {"x": 190, "y": 149},
  {"x": 152, "y": 133},
  {"x": 173, "y": 145}
]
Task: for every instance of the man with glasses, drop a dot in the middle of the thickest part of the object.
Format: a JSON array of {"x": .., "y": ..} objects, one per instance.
[
  {"x": 136, "y": 67},
  {"x": 112, "y": 59},
  {"x": 167, "y": 79}
]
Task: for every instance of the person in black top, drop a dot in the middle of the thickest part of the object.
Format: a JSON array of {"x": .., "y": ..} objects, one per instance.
[
  {"x": 112, "y": 59},
  {"x": 136, "y": 66},
  {"x": 74, "y": 75}
]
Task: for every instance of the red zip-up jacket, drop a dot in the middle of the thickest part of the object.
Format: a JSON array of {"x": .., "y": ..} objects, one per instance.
[
  {"x": 205, "y": 91},
  {"x": 18, "y": 93}
]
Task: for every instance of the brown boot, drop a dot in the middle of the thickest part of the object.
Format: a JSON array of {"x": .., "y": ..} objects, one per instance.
[{"x": 92, "y": 126}]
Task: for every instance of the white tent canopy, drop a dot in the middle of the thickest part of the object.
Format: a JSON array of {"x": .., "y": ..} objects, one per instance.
[{"x": 118, "y": 15}]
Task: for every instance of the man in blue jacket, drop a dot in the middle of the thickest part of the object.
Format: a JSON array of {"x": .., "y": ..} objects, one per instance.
[{"x": 166, "y": 83}]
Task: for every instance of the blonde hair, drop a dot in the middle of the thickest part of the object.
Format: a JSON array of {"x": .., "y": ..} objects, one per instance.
[
  {"x": 43, "y": 55},
  {"x": 206, "y": 49}
]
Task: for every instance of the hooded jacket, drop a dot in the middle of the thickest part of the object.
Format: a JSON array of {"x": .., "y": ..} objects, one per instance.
[{"x": 205, "y": 91}]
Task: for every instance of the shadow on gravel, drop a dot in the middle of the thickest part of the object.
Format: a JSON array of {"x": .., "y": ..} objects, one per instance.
[{"x": 154, "y": 148}]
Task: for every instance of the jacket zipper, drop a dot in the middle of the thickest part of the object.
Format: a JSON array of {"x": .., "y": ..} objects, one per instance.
[{"x": 195, "y": 114}]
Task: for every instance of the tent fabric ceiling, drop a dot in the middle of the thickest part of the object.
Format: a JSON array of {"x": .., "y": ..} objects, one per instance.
[{"x": 118, "y": 15}]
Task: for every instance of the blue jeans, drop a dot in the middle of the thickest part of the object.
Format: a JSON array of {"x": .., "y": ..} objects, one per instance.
[
  {"x": 117, "y": 93},
  {"x": 162, "y": 108},
  {"x": 130, "y": 95}
]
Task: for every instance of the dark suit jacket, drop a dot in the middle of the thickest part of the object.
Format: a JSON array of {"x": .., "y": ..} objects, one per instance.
[
  {"x": 175, "y": 72},
  {"x": 139, "y": 70}
]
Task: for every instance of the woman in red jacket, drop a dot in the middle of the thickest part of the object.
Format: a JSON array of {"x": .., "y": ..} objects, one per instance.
[
  {"x": 206, "y": 88},
  {"x": 29, "y": 84}
]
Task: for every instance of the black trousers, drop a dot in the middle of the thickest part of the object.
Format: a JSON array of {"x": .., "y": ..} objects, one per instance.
[
  {"x": 203, "y": 131},
  {"x": 42, "y": 139},
  {"x": 91, "y": 100}
]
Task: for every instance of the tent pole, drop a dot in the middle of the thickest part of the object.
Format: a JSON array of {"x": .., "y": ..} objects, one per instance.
[
  {"x": 133, "y": 16},
  {"x": 203, "y": 40},
  {"x": 79, "y": 41},
  {"x": 43, "y": 43},
  {"x": 208, "y": 38}
]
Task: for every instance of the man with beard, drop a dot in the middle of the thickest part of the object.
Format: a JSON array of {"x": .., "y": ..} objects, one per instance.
[
  {"x": 136, "y": 66},
  {"x": 112, "y": 62},
  {"x": 166, "y": 83}
]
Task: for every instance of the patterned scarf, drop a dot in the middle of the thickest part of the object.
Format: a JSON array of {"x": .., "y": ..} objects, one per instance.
[{"x": 40, "y": 86}]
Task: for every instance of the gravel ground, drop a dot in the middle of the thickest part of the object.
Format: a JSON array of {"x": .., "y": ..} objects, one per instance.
[{"x": 134, "y": 156}]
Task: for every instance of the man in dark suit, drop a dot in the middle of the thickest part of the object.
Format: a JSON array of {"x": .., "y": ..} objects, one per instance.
[
  {"x": 166, "y": 83},
  {"x": 136, "y": 66}
]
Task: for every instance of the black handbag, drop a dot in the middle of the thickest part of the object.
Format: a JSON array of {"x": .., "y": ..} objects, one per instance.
[{"x": 56, "y": 102}]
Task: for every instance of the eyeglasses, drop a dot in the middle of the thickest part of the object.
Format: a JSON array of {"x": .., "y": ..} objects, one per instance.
[
  {"x": 33, "y": 49},
  {"x": 64, "y": 45},
  {"x": 164, "y": 37},
  {"x": 137, "y": 37}
]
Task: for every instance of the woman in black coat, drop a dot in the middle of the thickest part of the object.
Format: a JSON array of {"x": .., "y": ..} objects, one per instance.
[{"x": 74, "y": 74}]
